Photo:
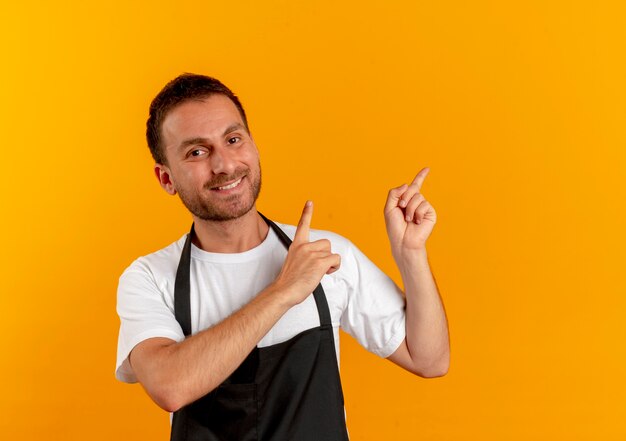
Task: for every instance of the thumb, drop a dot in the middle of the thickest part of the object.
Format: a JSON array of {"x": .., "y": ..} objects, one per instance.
[{"x": 393, "y": 198}]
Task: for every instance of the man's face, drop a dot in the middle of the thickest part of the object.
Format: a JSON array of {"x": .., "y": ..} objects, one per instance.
[{"x": 213, "y": 162}]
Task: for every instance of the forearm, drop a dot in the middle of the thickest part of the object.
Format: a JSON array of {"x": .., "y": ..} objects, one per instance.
[
  {"x": 426, "y": 324},
  {"x": 176, "y": 374},
  {"x": 181, "y": 373}
]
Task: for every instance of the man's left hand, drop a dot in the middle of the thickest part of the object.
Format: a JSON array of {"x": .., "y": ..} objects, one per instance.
[{"x": 409, "y": 217}]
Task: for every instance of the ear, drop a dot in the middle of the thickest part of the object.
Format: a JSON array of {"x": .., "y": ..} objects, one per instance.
[{"x": 164, "y": 176}]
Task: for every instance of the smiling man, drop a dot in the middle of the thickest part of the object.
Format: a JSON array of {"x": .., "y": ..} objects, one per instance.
[{"x": 234, "y": 327}]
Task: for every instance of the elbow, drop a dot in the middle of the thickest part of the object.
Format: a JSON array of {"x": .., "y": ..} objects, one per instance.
[
  {"x": 165, "y": 392},
  {"x": 167, "y": 405},
  {"x": 169, "y": 384},
  {"x": 172, "y": 397},
  {"x": 166, "y": 398},
  {"x": 433, "y": 372},
  {"x": 434, "y": 368},
  {"x": 170, "y": 403}
]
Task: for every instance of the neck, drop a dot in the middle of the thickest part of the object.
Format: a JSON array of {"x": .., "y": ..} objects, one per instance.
[{"x": 233, "y": 236}]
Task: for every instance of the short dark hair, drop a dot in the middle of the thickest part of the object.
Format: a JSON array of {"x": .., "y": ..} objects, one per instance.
[{"x": 183, "y": 88}]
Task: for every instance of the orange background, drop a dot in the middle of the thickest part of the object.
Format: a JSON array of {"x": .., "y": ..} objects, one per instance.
[{"x": 517, "y": 107}]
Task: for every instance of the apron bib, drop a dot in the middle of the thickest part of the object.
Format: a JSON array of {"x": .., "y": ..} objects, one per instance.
[{"x": 287, "y": 391}]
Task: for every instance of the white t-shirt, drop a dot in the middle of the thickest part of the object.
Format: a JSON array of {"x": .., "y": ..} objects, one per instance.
[{"x": 363, "y": 300}]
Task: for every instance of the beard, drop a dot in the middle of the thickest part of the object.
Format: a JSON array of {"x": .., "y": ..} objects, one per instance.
[{"x": 223, "y": 209}]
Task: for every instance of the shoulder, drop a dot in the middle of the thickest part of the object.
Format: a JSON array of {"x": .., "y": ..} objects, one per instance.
[{"x": 158, "y": 264}]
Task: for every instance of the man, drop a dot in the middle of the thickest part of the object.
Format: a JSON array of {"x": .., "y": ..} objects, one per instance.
[{"x": 234, "y": 327}]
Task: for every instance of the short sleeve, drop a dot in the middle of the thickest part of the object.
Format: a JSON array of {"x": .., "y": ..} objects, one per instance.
[
  {"x": 143, "y": 314},
  {"x": 375, "y": 310}
]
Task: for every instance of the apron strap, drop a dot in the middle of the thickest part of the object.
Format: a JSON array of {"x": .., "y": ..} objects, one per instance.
[{"x": 182, "y": 285}]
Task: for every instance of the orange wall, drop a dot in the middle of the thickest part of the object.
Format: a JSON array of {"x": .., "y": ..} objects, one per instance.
[{"x": 517, "y": 108}]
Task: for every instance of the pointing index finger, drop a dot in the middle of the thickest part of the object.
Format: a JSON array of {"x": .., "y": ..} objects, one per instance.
[
  {"x": 302, "y": 231},
  {"x": 419, "y": 179}
]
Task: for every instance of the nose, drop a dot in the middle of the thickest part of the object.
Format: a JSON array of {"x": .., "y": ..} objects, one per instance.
[{"x": 222, "y": 161}]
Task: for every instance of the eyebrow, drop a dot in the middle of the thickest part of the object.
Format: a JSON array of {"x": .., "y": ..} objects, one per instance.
[{"x": 200, "y": 140}]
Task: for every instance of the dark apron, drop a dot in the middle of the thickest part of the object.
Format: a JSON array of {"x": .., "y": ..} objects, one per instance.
[{"x": 287, "y": 391}]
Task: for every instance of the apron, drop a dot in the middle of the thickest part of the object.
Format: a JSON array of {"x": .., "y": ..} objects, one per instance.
[{"x": 287, "y": 391}]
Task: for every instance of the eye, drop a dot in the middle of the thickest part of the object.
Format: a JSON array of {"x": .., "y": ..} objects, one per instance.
[
  {"x": 234, "y": 139},
  {"x": 196, "y": 152}
]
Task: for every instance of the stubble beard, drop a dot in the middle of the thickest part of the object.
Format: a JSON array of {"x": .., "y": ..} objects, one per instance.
[{"x": 229, "y": 208}]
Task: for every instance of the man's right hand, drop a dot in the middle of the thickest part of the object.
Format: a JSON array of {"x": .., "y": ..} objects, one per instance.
[
  {"x": 306, "y": 262},
  {"x": 176, "y": 374}
]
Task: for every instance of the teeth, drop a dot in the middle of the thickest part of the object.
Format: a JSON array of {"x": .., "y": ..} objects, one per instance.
[{"x": 233, "y": 185}]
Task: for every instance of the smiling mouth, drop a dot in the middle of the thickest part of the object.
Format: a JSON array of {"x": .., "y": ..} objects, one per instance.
[{"x": 229, "y": 186}]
